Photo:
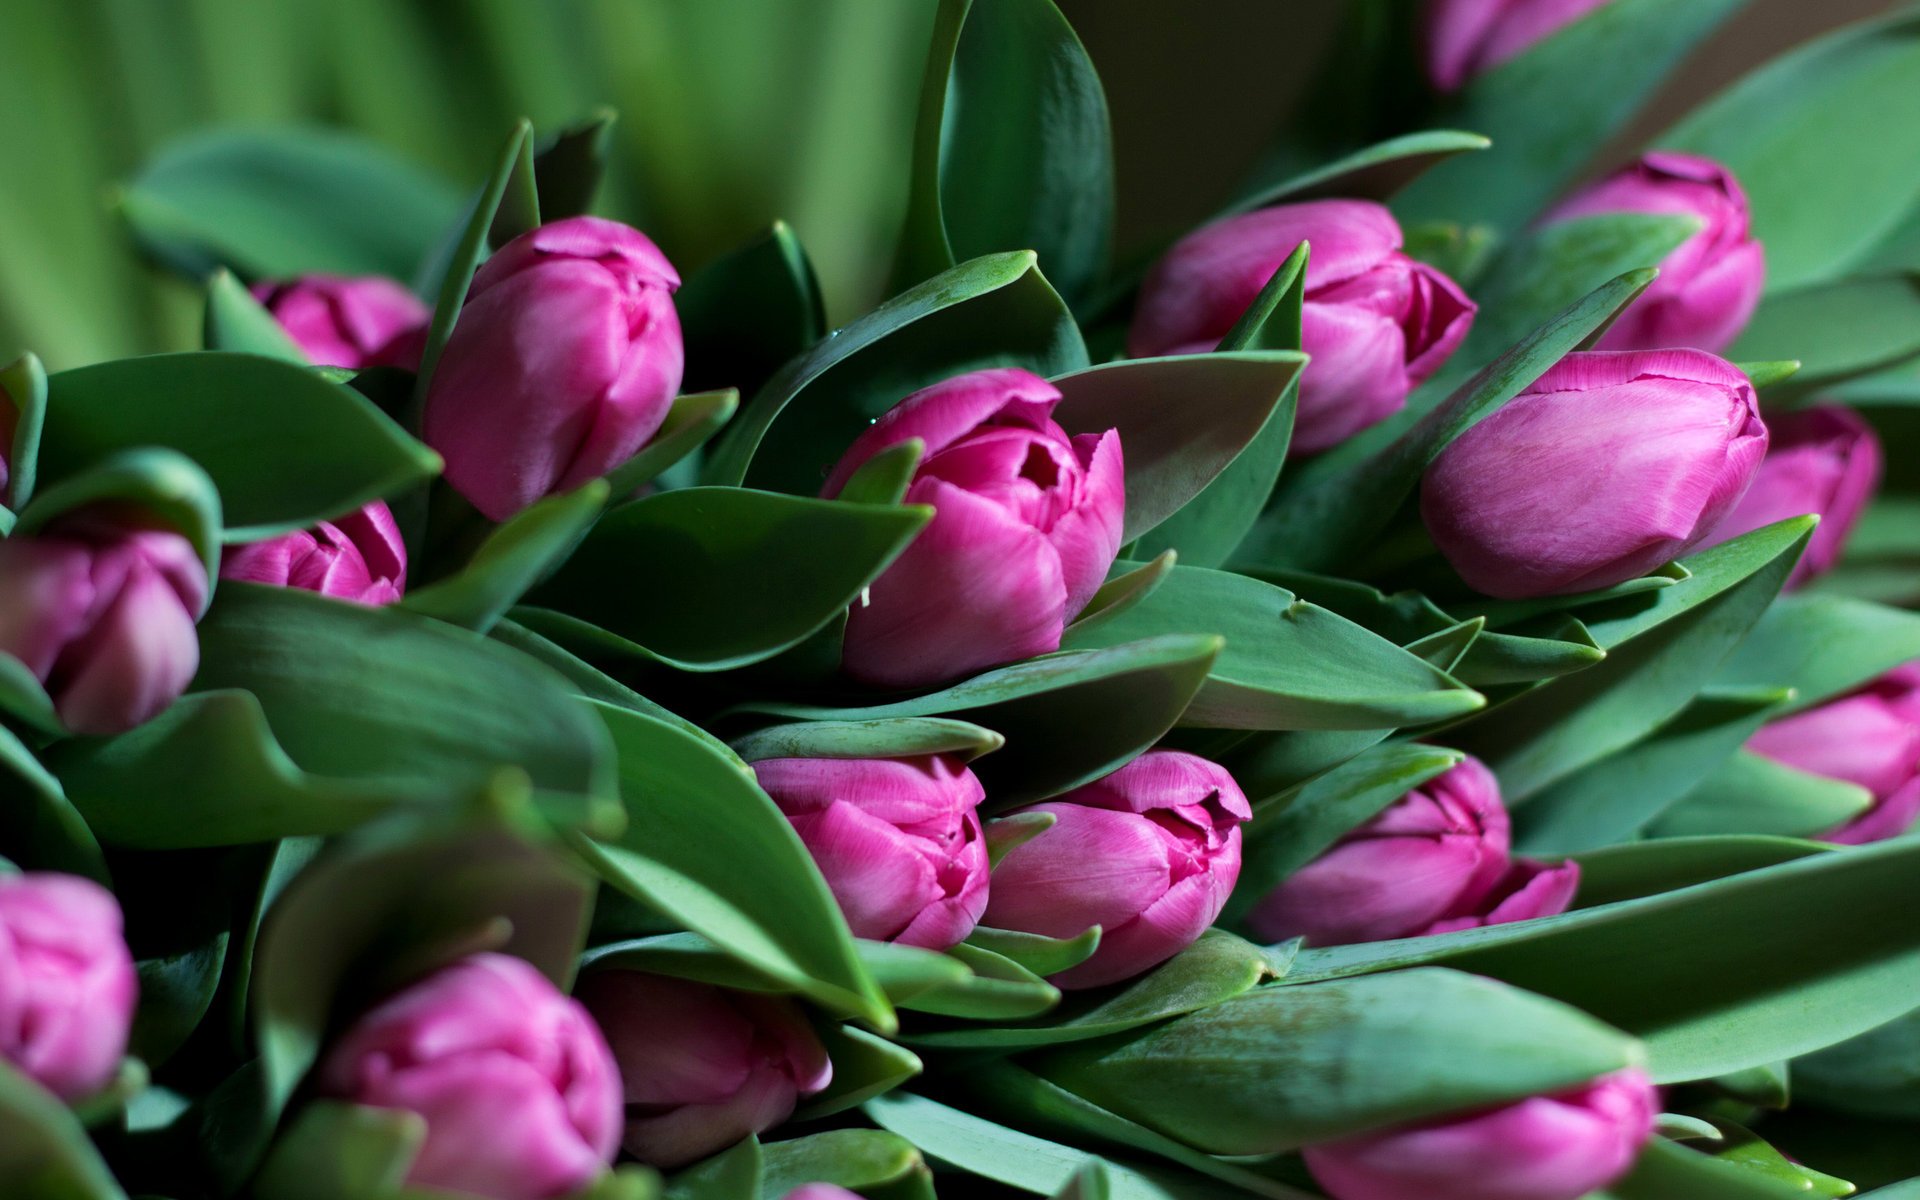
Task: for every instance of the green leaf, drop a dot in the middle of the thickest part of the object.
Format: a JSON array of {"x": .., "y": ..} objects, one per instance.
[
  {"x": 236, "y": 321},
  {"x": 1838, "y": 330},
  {"x": 1741, "y": 1148},
  {"x": 864, "y": 1066},
  {"x": 1764, "y": 375},
  {"x": 869, "y": 1161},
  {"x": 285, "y": 446},
  {"x": 569, "y": 165},
  {"x": 1009, "y": 833},
  {"x": 1547, "y": 108},
  {"x": 1375, "y": 173},
  {"x": 690, "y": 422},
  {"x": 1090, "y": 1182},
  {"x": 719, "y": 546},
  {"x": 997, "y": 310},
  {"x": 747, "y": 312},
  {"x": 39, "y": 827},
  {"x": 1756, "y": 795},
  {"x": 1036, "y": 952},
  {"x": 1182, "y": 420},
  {"x": 1725, "y": 975},
  {"x": 1874, "y": 1075},
  {"x": 1012, "y": 148},
  {"x": 1821, "y": 645},
  {"x": 1637, "y": 870},
  {"x": 884, "y": 478},
  {"x": 1821, "y": 196},
  {"x": 901, "y": 737},
  {"x": 1068, "y": 718},
  {"x": 677, "y": 858},
  {"x": 514, "y": 557},
  {"x": 1666, "y": 1171},
  {"x": 1127, "y": 584},
  {"x": 999, "y": 989},
  {"x": 732, "y": 1174},
  {"x": 287, "y": 202},
  {"x": 333, "y": 1149},
  {"x": 155, "y": 481},
  {"x": 23, "y": 389},
  {"x": 1287, "y": 664},
  {"x": 1383, "y": 1050},
  {"x": 44, "y": 1152}
]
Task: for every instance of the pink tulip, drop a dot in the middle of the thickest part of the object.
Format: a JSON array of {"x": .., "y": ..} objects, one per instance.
[
  {"x": 360, "y": 557},
  {"x": 1375, "y": 322},
  {"x": 1823, "y": 460},
  {"x": 67, "y": 984},
  {"x": 1529, "y": 890},
  {"x": 820, "y": 1191},
  {"x": 898, "y": 840},
  {"x": 354, "y": 322},
  {"x": 1027, "y": 521},
  {"x": 702, "y": 1067},
  {"x": 1709, "y": 286},
  {"x": 517, "y": 1087},
  {"x": 563, "y": 364},
  {"x": 1467, "y": 37},
  {"x": 1870, "y": 738},
  {"x": 1545, "y": 1148},
  {"x": 101, "y": 609},
  {"x": 1149, "y": 854},
  {"x": 1607, "y": 467}
]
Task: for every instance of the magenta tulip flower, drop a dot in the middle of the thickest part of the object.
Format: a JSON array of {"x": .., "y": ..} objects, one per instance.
[
  {"x": 1375, "y": 322},
  {"x": 359, "y": 557},
  {"x": 820, "y": 1191},
  {"x": 563, "y": 364},
  {"x": 1607, "y": 467},
  {"x": 1870, "y": 738},
  {"x": 1148, "y": 853},
  {"x": 1710, "y": 284},
  {"x": 1823, "y": 460},
  {"x": 354, "y": 322},
  {"x": 702, "y": 1066},
  {"x": 1433, "y": 861},
  {"x": 517, "y": 1087},
  {"x": 100, "y": 607},
  {"x": 67, "y": 984},
  {"x": 1545, "y": 1148},
  {"x": 1467, "y": 37},
  {"x": 898, "y": 840},
  {"x": 1026, "y": 522}
]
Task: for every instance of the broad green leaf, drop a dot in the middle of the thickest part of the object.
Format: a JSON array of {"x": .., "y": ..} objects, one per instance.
[
  {"x": 569, "y": 165},
  {"x": 513, "y": 558},
  {"x": 285, "y": 446},
  {"x": 1821, "y": 195},
  {"x": 868, "y": 1161},
  {"x": 674, "y": 855},
  {"x": 693, "y": 419},
  {"x": 39, "y": 827},
  {"x": 1182, "y": 421},
  {"x": 1636, "y": 870},
  {"x": 732, "y": 1174},
  {"x": 993, "y": 311},
  {"x": 286, "y": 202},
  {"x": 999, "y": 989},
  {"x": 1821, "y": 646},
  {"x": 23, "y": 698},
  {"x": 885, "y": 478},
  {"x": 1383, "y": 1050},
  {"x": 1375, "y": 173},
  {"x": 1036, "y": 952},
  {"x": 1012, "y": 148},
  {"x": 1728, "y": 974},
  {"x": 1754, "y": 795},
  {"x": 1837, "y": 330},
  {"x": 44, "y": 1152},
  {"x": 1875, "y": 1075},
  {"x": 1741, "y": 1148},
  {"x": 746, "y": 313},
  {"x": 237, "y": 322},
  {"x": 1068, "y": 718},
  {"x": 900, "y": 737},
  {"x": 1666, "y": 1171},
  {"x": 719, "y": 546},
  {"x": 332, "y": 1149},
  {"x": 154, "y": 481},
  {"x": 23, "y": 390},
  {"x": 1127, "y": 584},
  {"x": 1286, "y": 664},
  {"x": 864, "y": 1066}
]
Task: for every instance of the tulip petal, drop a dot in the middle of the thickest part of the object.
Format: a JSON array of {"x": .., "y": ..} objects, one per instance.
[
  {"x": 136, "y": 659},
  {"x": 1093, "y": 867},
  {"x": 881, "y": 876},
  {"x": 943, "y": 413},
  {"x": 1087, "y": 537},
  {"x": 1356, "y": 376},
  {"x": 47, "y": 598}
]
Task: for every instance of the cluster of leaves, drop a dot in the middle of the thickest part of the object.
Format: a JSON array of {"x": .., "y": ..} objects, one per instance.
[{"x": 543, "y": 748}]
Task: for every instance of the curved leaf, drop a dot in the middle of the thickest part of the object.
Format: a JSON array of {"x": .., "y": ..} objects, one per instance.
[{"x": 747, "y": 312}]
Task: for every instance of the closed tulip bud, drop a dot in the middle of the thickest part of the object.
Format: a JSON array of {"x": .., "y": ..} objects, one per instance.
[
  {"x": 1466, "y": 37},
  {"x": 702, "y": 1067},
  {"x": 1374, "y": 322},
  {"x": 1149, "y": 854},
  {"x": 516, "y": 1085},
  {"x": 1527, "y": 891},
  {"x": 1870, "y": 738},
  {"x": 101, "y": 610},
  {"x": 1710, "y": 284},
  {"x": 898, "y": 840},
  {"x": 563, "y": 364},
  {"x": 1823, "y": 460},
  {"x": 1545, "y": 1148},
  {"x": 1026, "y": 522},
  {"x": 1607, "y": 467},
  {"x": 67, "y": 984},
  {"x": 820, "y": 1191},
  {"x": 355, "y": 322},
  {"x": 359, "y": 557}
]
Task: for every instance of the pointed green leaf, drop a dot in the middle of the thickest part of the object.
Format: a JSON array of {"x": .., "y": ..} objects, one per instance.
[
  {"x": 1749, "y": 794},
  {"x": 690, "y": 422},
  {"x": 568, "y": 166},
  {"x": 898, "y": 737},
  {"x": 1837, "y": 330},
  {"x": 513, "y": 558},
  {"x": 746, "y": 313},
  {"x": 44, "y": 1151},
  {"x": 236, "y": 321},
  {"x": 23, "y": 389}
]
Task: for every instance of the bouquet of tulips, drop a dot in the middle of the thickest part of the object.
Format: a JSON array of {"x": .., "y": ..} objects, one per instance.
[{"x": 1402, "y": 692}]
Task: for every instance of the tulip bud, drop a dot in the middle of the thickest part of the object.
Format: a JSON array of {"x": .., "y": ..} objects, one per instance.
[
  {"x": 101, "y": 610},
  {"x": 562, "y": 365},
  {"x": 898, "y": 840},
  {"x": 1026, "y": 523},
  {"x": 1870, "y": 738},
  {"x": 360, "y": 557},
  {"x": 702, "y": 1066},
  {"x": 1467, "y": 37},
  {"x": 1374, "y": 322},
  {"x": 1823, "y": 460},
  {"x": 354, "y": 322},
  {"x": 1149, "y": 854},
  {"x": 517, "y": 1087},
  {"x": 820, "y": 1191},
  {"x": 1710, "y": 284},
  {"x": 67, "y": 984},
  {"x": 1607, "y": 467},
  {"x": 1544, "y": 1148}
]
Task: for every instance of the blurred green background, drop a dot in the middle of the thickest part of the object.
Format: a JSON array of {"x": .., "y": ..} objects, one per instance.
[{"x": 732, "y": 113}]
